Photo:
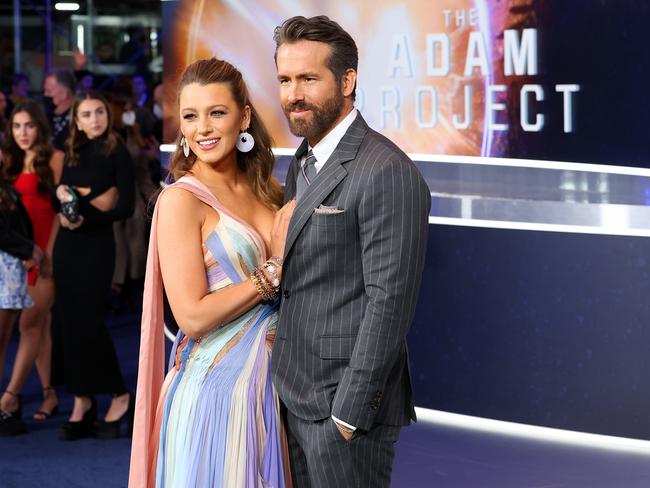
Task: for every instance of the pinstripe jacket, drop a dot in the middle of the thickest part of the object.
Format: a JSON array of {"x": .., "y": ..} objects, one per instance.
[{"x": 350, "y": 283}]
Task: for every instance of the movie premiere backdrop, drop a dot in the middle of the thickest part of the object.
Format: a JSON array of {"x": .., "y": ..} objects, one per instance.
[
  {"x": 562, "y": 80},
  {"x": 533, "y": 327}
]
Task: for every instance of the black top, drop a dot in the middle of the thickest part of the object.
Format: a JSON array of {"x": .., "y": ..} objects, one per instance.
[
  {"x": 16, "y": 233},
  {"x": 99, "y": 172},
  {"x": 59, "y": 124}
]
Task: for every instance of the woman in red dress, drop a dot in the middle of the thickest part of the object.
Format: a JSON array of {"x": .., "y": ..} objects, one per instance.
[{"x": 35, "y": 167}]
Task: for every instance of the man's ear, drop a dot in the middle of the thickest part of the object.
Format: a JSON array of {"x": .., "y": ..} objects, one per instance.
[{"x": 348, "y": 82}]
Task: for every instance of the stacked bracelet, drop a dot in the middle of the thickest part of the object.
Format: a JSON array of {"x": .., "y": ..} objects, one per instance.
[
  {"x": 259, "y": 286},
  {"x": 262, "y": 285},
  {"x": 266, "y": 278}
]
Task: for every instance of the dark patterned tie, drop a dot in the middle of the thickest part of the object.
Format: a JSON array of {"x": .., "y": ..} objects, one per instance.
[{"x": 306, "y": 174}]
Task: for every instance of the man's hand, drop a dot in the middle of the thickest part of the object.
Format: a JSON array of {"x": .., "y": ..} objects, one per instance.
[
  {"x": 80, "y": 59},
  {"x": 345, "y": 432}
]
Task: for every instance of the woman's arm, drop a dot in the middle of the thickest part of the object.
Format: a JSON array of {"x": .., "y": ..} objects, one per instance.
[
  {"x": 180, "y": 217},
  {"x": 117, "y": 202},
  {"x": 56, "y": 163},
  {"x": 107, "y": 200},
  {"x": 35, "y": 259},
  {"x": 45, "y": 268}
]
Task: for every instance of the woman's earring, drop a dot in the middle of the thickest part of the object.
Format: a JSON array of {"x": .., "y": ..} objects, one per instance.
[
  {"x": 185, "y": 146},
  {"x": 245, "y": 142}
]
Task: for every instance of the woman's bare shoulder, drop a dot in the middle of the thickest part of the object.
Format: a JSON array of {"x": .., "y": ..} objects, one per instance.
[{"x": 179, "y": 202}]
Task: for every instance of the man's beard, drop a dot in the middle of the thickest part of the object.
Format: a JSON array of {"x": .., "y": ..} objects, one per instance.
[{"x": 323, "y": 116}]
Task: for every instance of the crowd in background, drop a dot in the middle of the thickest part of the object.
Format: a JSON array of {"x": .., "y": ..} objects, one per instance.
[{"x": 95, "y": 152}]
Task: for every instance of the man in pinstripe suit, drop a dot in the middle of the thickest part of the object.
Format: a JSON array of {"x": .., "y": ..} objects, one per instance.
[{"x": 352, "y": 268}]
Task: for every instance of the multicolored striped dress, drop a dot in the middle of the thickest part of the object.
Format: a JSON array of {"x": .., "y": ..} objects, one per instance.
[{"x": 217, "y": 421}]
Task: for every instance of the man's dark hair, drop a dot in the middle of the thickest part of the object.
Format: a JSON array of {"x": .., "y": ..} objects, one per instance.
[{"x": 343, "y": 50}]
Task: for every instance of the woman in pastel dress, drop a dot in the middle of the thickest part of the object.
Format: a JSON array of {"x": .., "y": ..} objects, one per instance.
[{"x": 217, "y": 238}]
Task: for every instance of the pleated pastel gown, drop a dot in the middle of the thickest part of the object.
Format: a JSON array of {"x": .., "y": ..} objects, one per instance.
[{"x": 217, "y": 421}]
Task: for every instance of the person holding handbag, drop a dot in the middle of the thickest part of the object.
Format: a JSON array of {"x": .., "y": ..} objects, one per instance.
[{"x": 98, "y": 169}]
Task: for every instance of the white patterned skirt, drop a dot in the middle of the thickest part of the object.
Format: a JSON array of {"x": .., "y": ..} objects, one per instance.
[{"x": 13, "y": 283}]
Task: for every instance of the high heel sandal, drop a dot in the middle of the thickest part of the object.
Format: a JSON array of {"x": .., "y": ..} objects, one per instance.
[
  {"x": 11, "y": 423},
  {"x": 111, "y": 430},
  {"x": 72, "y": 431},
  {"x": 43, "y": 414}
]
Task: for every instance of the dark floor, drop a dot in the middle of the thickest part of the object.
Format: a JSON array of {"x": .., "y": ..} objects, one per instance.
[{"x": 427, "y": 455}]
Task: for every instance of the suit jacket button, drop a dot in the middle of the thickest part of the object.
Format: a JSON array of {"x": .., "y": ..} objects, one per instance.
[{"x": 286, "y": 293}]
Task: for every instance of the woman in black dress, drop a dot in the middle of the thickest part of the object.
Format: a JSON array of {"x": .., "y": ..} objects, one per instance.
[{"x": 98, "y": 167}]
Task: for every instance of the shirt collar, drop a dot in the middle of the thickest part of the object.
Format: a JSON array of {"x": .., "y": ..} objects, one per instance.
[{"x": 326, "y": 146}]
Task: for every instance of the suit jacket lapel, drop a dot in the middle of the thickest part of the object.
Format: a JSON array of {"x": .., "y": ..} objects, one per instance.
[{"x": 331, "y": 174}]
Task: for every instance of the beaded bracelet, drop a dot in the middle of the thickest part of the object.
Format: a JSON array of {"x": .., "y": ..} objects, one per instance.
[
  {"x": 263, "y": 287},
  {"x": 264, "y": 283},
  {"x": 258, "y": 285}
]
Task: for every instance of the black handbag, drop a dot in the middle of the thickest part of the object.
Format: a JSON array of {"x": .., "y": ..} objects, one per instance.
[{"x": 70, "y": 210}]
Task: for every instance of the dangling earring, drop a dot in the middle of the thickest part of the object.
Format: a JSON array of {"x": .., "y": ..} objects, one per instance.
[
  {"x": 185, "y": 146},
  {"x": 245, "y": 142}
]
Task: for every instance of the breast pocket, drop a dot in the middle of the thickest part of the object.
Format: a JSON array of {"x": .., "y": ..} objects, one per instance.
[
  {"x": 336, "y": 347},
  {"x": 329, "y": 220}
]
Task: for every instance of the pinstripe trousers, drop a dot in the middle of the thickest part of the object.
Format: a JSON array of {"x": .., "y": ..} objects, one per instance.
[{"x": 322, "y": 458}]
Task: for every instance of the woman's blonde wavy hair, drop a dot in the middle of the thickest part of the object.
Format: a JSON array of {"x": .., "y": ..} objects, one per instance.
[{"x": 258, "y": 163}]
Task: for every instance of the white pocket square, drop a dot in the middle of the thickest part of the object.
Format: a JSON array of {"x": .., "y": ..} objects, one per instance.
[{"x": 325, "y": 210}]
